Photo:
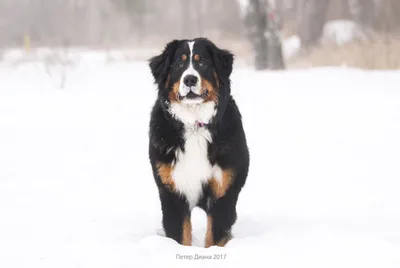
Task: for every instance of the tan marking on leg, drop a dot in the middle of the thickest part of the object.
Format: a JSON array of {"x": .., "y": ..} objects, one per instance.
[
  {"x": 209, "y": 235},
  {"x": 223, "y": 242},
  {"x": 219, "y": 188},
  {"x": 187, "y": 232},
  {"x": 165, "y": 171}
]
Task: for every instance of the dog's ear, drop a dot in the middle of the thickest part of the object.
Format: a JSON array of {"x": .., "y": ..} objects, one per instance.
[
  {"x": 223, "y": 61},
  {"x": 159, "y": 65}
]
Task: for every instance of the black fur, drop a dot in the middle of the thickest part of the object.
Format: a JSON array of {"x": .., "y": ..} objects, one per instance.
[{"x": 228, "y": 148}]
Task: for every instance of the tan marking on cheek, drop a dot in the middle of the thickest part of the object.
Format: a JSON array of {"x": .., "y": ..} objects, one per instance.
[
  {"x": 209, "y": 234},
  {"x": 173, "y": 94},
  {"x": 184, "y": 57},
  {"x": 165, "y": 173},
  {"x": 219, "y": 188},
  {"x": 187, "y": 232},
  {"x": 167, "y": 82},
  {"x": 196, "y": 57},
  {"x": 216, "y": 79},
  {"x": 212, "y": 93}
]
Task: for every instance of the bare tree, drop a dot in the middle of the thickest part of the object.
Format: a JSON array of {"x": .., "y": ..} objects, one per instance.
[
  {"x": 255, "y": 21},
  {"x": 364, "y": 12},
  {"x": 262, "y": 35},
  {"x": 312, "y": 23}
]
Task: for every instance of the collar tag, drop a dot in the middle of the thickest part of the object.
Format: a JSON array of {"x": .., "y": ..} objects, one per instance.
[{"x": 198, "y": 125}]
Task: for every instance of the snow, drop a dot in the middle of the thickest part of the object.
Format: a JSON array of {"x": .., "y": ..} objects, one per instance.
[
  {"x": 291, "y": 46},
  {"x": 76, "y": 188}
]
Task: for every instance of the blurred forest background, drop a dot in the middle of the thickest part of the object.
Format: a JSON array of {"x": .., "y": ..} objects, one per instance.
[{"x": 361, "y": 33}]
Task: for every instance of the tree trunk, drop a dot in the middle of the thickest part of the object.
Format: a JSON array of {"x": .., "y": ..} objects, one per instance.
[
  {"x": 312, "y": 23},
  {"x": 363, "y": 12},
  {"x": 263, "y": 33},
  {"x": 255, "y": 23}
]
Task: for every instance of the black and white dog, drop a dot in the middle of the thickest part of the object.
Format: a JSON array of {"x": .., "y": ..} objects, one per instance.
[{"x": 197, "y": 146}]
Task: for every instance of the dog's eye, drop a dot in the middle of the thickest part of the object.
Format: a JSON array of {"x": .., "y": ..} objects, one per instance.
[
  {"x": 202, "y": 64},
  {"x": 180, "y": 64}
]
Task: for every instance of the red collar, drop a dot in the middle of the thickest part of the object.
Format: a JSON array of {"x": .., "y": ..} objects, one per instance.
[{"x": 200, "y": 124}]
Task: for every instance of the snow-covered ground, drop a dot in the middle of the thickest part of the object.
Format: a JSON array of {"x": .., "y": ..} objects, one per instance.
[{"x": 76, "y": 189}]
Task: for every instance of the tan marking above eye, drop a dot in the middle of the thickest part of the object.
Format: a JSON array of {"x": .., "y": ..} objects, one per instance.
[
  {"x": 184, "y": 57},
  {"x": 196, "y": 57}
]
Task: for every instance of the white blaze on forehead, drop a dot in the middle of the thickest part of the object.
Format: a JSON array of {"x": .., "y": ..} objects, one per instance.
[
  {"x": 191, "y": 45},
  {"x": 183, "y": 89}
]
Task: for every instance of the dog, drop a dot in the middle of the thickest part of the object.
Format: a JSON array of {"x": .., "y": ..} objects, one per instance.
[{"x": 197, "y": 144}]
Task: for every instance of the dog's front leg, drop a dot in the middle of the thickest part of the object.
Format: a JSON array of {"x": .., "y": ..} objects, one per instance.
[
  {"x": 221, "y": 217},
  {"x": 176, "y": 217}
]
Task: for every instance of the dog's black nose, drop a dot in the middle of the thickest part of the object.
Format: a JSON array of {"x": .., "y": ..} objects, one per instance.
[{"x": 190, "y": 80}]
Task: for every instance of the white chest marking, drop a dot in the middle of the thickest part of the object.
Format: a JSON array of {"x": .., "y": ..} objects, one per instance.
[
  {"x": 192, "y": 168},
  {"x": 188, "y": 114}
]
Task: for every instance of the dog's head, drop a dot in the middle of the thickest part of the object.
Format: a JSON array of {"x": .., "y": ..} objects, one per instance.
[{"x": 193, "y": 72}]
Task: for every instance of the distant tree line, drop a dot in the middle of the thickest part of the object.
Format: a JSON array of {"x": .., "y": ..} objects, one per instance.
[
  {"x": 113, "y": 22},
  {"x": 309, "y": 16}
]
